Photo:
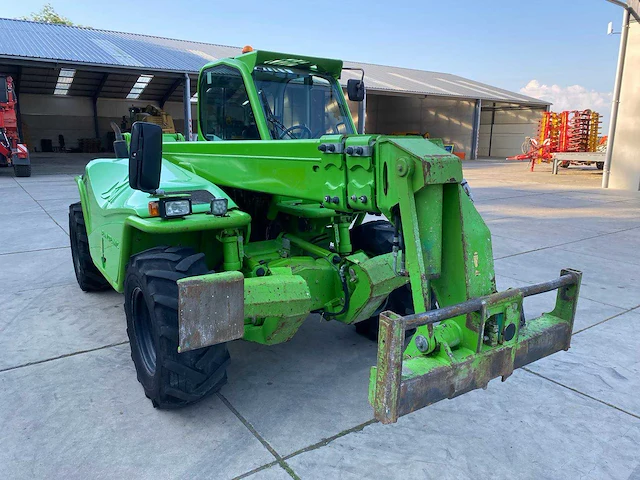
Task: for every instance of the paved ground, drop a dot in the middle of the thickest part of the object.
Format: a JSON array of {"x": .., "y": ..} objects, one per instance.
[{"x": 70, "y": 405}]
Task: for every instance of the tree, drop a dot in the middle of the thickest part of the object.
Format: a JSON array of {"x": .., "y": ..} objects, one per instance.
[{"x": 48, "y": 15}]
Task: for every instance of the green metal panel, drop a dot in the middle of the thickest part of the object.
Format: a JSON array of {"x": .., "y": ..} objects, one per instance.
[
  {"x": 371, "y": 281},
  {"x": 113, "y": 211},
  {"x": 275, "y": 306},
  {"x": 294, "y": 168},
  {"x": 361, "y": 173}
]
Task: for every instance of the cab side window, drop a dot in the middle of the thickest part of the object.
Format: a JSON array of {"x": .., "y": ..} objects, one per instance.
[{"x": 225, "y": 111}]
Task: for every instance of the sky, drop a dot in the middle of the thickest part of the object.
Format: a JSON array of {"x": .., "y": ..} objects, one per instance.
[{"x": 556, "y": 50}]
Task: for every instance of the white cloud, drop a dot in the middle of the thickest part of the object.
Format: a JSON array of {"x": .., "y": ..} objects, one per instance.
[{"x": 573, "y": 97}]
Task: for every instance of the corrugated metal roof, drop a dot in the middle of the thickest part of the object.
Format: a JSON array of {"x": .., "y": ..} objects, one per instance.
[
  {"x": 77, "y": 45},
  {"x": 406, "y": 80},
  {"x": 33, "y": 40}
]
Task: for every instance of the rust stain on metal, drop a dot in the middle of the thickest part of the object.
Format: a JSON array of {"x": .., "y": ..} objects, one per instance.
[
  {"x": 450, "y": 381},
  {"x": 472, "y": 323},
  {"x": 210, "y": 310},
  {"x": 545, "y": 343},
  {"x": 389, "y": 371},
  {"x": 427, "y": 168},
  {"x": 394, "y": 397}
]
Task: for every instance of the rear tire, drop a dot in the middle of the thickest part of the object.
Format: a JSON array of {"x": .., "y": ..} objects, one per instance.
[
  {"x": 600, "y": 165},
  {"x": 376, "y": 238},
  {"x": 22, "y": 170},
  {"x": 88, "y": 276},
  {"x": 170, "y": 379}
]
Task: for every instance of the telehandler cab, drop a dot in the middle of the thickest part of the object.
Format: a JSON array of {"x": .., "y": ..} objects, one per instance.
[{"x": 261, "y": 221}]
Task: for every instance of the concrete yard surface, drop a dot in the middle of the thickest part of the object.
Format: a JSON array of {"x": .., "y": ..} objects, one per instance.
[{"x": 71, "y": 407}]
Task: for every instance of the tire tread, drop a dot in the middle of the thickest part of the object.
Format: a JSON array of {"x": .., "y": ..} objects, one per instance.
[
  {"x": 187, "y": 377},
  {"x": 87, "y": 274}
]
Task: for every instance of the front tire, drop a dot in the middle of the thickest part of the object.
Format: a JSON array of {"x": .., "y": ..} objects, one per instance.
[
  {"x": 88, "y": 276},
  {"x": 170, "y": 379}
]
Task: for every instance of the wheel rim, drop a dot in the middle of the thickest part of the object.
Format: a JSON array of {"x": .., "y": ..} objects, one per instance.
[{"x": 143, "y": 331}]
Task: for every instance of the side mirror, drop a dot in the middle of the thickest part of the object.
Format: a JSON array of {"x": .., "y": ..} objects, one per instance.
[
  {"x": 355, "y": 90},
  {"x": 145, "y": 158}
]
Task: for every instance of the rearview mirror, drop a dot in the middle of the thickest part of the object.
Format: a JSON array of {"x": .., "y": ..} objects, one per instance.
[
  {"x": 145, "y": 158},
  {"x": 355, "y": 90}
]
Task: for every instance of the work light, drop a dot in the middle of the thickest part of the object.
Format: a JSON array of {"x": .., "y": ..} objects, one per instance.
[
  {"x": 175, "y": 207},
  {"x": 219, "y": 206}
]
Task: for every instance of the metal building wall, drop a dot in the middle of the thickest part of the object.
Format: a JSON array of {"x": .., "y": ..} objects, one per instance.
[
  {"x": 47, "y": 116},
  {"x": 625, "y": 161},
  {"x": 503, "y": 128},
  {"x": 449, "y": 119}
]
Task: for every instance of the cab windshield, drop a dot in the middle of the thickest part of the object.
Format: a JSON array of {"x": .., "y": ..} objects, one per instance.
[{"x": 299, "y": 104}]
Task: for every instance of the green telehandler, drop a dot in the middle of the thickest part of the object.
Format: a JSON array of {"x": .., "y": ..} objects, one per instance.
[{"x": 266, "y": 218}]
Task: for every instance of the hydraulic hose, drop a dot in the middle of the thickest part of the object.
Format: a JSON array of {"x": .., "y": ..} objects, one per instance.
[{"x": 345, "y": 290}]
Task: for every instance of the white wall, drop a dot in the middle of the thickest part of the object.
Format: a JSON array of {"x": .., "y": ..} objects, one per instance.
[
  {"x": 625, "y": 160},
  {"x": 449, "y": 119},
  {"x": 47, "y": 116},
  {"x": 510, "y": 128}
]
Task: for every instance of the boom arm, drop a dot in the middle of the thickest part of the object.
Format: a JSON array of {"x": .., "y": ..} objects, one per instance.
[
  {"x": 293, "y": 168},
  {"x": 445, "y": 250}
]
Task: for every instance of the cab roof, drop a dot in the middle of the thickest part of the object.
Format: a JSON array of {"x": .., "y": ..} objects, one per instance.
[{"x": 327, "y": 66}]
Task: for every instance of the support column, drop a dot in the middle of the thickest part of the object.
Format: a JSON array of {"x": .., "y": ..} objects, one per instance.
[
  {"x": 493, "y": 120},
  {"x": 362, "y": 112},
  {"x": 16, "y": 92},
  {"x": 169, "y": 92},
  {"x": 96, "y": 95},
  {"x": 95, "y": 117},
  {"x": 475, "y": 132},
  {"x": 186, "y": 99}
]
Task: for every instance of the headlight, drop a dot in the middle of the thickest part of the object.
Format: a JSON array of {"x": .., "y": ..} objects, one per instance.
[
  {"x": 175, "y": 207},
  {"x": 219, "y": 206}
]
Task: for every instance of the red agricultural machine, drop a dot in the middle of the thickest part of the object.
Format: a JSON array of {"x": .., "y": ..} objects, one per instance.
[
  {"x": 12, "y": 152},
  {"x": 565, "y": 138}
]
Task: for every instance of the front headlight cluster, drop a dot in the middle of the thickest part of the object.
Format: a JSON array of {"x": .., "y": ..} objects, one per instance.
[
  {"x": 170, "y": 207},
  {"x": 178, "y": 207}
]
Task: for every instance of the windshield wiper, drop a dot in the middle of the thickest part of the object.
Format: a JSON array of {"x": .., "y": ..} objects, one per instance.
[{"x": 277, "y": 124}]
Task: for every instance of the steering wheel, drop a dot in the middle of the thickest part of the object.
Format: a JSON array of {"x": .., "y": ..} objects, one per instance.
[{"x": 304, "y": 132}]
